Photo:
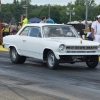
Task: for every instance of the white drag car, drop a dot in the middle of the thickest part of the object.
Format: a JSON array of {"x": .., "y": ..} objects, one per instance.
[{"x": 53, "y": 44}]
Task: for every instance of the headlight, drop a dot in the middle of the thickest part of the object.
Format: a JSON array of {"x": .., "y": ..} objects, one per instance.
[{"x": 62, "y": 47}]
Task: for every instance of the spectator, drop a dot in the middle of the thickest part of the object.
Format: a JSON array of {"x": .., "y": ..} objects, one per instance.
[
  {"x": 25, "y": 20},
  {"x": 12, "y": 29},
  {"x": 43, "y": 19},
  {"x": 95, "y": 29},
  {"x": 80, "y": 22},
  {"x": 49, "y": 20},
  {"x": 19, "y": 26}
]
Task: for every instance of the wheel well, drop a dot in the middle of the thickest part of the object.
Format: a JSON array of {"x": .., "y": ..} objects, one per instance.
[
  {"x": 45, "y": 53},
  {"x": 11, "y": 47}
]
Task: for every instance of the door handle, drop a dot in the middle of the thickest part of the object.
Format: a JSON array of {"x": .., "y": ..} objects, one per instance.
[{"x": 24, "y": 40}]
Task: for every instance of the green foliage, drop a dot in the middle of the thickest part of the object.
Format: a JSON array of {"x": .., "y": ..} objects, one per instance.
[{"x": 57, "y": 12}]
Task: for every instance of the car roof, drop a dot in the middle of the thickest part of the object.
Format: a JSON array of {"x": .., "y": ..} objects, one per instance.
[{"x": 43, "y": 24}]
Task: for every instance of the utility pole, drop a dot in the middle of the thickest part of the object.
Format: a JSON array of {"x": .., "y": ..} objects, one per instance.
[
  {"x": 70, "y": 16},
  {"x": 0, "y": 5},
  {"x": 49, "y": 10},
  {"x": 86, "y": 13},
  {"x": 26, "y": 8}
]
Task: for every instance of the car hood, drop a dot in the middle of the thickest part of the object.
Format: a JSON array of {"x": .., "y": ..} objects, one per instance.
[{"x": 74, "y": 41}]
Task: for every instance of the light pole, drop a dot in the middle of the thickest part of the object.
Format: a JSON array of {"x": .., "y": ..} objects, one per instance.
[{"x": 70, "y": 12}]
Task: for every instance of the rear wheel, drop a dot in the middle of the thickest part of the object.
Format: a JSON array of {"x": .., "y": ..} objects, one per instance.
[
  {"x": 52, "y": 62},
  {"x": 15, "y": 57},
  {"x": 92, "y": 61}
]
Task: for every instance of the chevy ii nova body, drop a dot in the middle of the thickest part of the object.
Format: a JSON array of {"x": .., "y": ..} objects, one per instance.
[{"x": 53, "y": 44}]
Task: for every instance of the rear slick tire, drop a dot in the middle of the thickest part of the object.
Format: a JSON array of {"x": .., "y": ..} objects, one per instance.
[{"x": 15, "y": 57}]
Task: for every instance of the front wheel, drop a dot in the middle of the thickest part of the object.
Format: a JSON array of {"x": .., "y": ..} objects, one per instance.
[
  {"x": 92, "y": 61},
  {"x": 52, "y": 62},
  {"x": 15, "y": 57}
]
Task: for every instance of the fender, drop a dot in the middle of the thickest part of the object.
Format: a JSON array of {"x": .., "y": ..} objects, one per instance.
[{"x": 9, "y": 46}]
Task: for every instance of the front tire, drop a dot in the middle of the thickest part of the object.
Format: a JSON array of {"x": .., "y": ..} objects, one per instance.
[
  {"x": 15, "y": 57},
  {"x": 92, "y": 61},
  {"x": 52, "y": 62}
]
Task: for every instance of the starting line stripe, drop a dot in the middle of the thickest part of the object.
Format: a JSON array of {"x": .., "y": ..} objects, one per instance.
[{"x": 3, "y": 49}]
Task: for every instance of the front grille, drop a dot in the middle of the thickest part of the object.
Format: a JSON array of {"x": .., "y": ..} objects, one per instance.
[
  {"x": 82, "y": 47},
  {"x": 80, "y": 51}
]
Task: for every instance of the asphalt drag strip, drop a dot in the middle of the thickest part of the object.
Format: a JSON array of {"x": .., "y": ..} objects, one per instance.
[{"x": 9, "y": 92}]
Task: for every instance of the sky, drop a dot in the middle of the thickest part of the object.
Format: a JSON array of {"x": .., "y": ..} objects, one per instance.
[{"x": 43, "y": 2}]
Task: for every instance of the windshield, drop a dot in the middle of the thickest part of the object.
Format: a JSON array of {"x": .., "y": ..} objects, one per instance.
[{"x": 59, "y": 31}]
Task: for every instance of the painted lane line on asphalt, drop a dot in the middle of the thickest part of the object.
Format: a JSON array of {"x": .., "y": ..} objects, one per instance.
[{"x": 3, "y": 49}]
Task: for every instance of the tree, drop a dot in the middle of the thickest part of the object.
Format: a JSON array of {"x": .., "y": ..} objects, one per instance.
[
  {"x": 17, "y": 2},
  {"x": 13, "y": 20},
  {"x": 58, "y": 13},
  {"x": 80, "y": 6},
  {"x": 24, "y": 2},
  {"x": 91, "y": 3},
  {"x": 80, "y": 2},
  {"x": 14, "y": 2},
  {"x": 83, "y": 2}
]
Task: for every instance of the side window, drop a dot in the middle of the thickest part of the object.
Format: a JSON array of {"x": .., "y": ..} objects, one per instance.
[
  {"x": 25, "y": 31},
  {"x": 35, "y": 32}
]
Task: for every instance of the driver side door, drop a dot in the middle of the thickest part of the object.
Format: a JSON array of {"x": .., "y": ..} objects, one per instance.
[{"x": 31, "y": 43}]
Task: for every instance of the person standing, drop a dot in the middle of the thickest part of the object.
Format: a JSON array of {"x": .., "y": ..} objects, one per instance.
[
  {"x": 43, "y": 19},
  {"x": 12, "y": 29},
  {"x": 49, "y": 20},
  {"x": 19, "y": 26},
  {"x": 95, "y": 30},
  {"x": 80, "y": 22},
  {"x": 25, "y": 20}
]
